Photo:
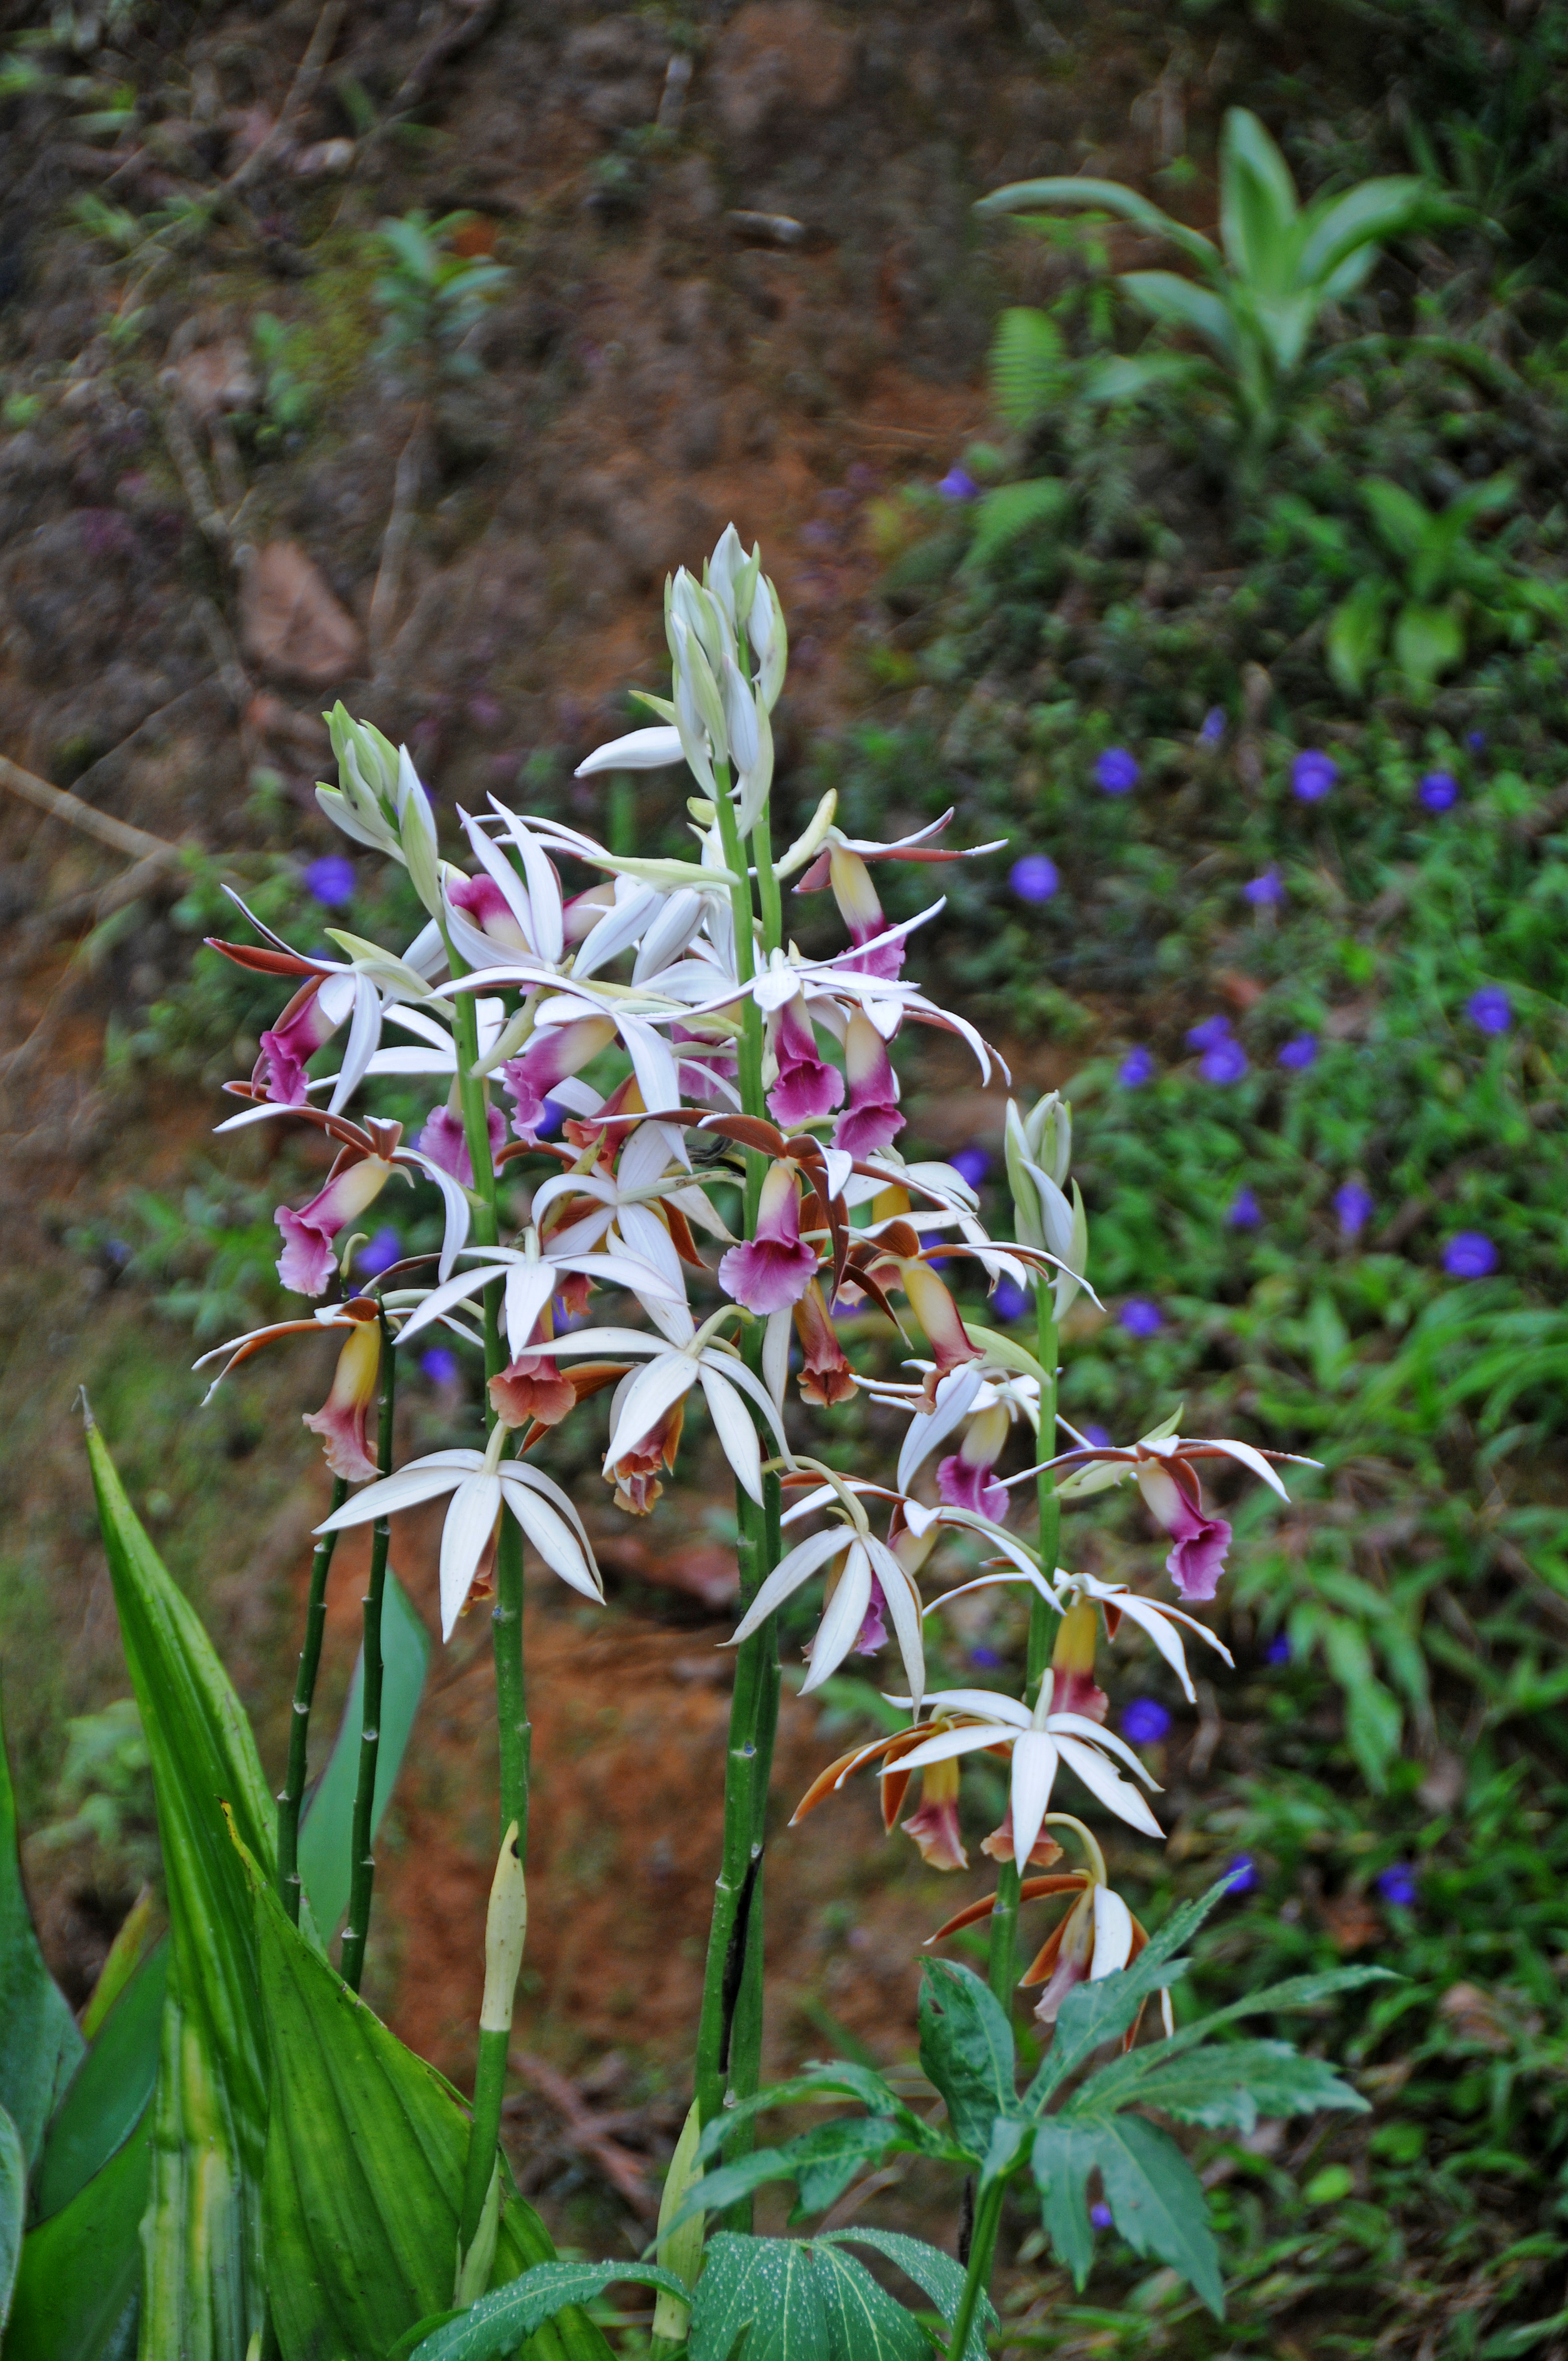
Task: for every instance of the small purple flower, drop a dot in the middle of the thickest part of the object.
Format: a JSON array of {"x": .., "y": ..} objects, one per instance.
[
  {"x": 1117, "y": 771},
  {"x": 1469, "y": 1254},
  {"x": 441, "y": 1367},
  {"x": 1035, "y": 878},
  {"x": 378, "y": 1254},
  {"x": 1100, "y": 1436},
  {"x": 1354, "y": 1206},
  {"x": 331, "y": 879},
  {"x": 1299, "y": 1052},
  {"x": 1225, "y": 1062},
  {"x": 1490, "y": 1008},
  {"x": 550, "y": 1121},
  {"x": 990, "y": 1660},
  {"x": 1246, "y": 1212},
  {"x": 1101, "y": 2216},
  {"x": 1278, "y": 1651},
  {"x": 1242, "y": 1874},
  {"x": 1477, "y": 741},
  {"x": 1312, "y": 773},
  {"x": 1142, "y": 1318},
  {"x": 1136, "y": 1069},
  {"x": 1439, "y": 791},
  {"x": 1264, "y": 893},
  {"x": 1398, "y": 1885},
  {"x": 1213, "y": 733},
  {"x": 958, "y": 484},
  {"x": 1212, "y": 1031},
  {"x": 1145, "y": 1722},
  {"x": 1009, "y": 1301},
  {"x": 973, "y": 1163}
]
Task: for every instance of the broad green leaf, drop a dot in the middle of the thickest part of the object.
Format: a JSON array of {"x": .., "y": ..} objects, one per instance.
[
  {"x": 1400, "y": 521},
  {"x": 1126, "y": 377},
  {"x": 325, "y": 1837},
  {"x": 1296, "y": 1991},
  {"x": 497, "y": 2324},
  {"x": 1026, "y": 365},
  {"x": 13, "y": 2209},
  {"x": 1339, "y": 227},
  {"x": 1016, "y": 509},
  {"x": 39, "y": 2041},
  {"x": 1178, "y": 302},
  {"x": 778, "y": 2301},
  {"x": 1258, "y": 204},
  {"x": 1061, "y": 2160},
  {"x": 938, "y": 2274},
  {"x": 966, "y": 2049},
  {"x": 1157, "y": 2203},
  {"x": 1428, "y": 642},
  {"x": 125, "y": 1956},
  {"x": 1093, "y": 2013},
  {"x": 1354, "y": 641},
  {"x": 204, "y": 2293},
  {"x": 82, "y": 2270},
  {"x": 1103, "y": 196},
  {"x": 109, "y": 2090},
  {"x": 842, "y": 2080},
  {"x": 366, "y": 2148}
]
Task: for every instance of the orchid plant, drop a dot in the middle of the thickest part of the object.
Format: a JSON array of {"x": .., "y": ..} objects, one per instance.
[{"x": 696, "y": 1061}]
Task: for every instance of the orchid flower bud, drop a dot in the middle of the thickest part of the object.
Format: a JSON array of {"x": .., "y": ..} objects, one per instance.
[
  {"x": 769, "y": 640},
  {"x": 739, "y": 718},
  {"x": 416, "y": 834},
  {"x": 364, "y": 802},
  {"x": 342, "y": 1419},
  {"x": 826, "y": 1375},
  {"x": 723, "y": 573}
]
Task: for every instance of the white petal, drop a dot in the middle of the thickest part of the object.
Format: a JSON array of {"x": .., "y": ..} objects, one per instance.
[
  {"x": 989, "y": 1702},
  {"x": 470, "y": 1521},
  {"x": 624, "y": 1271},
  {"x": 618, "y": 928},
  {"x": 652, "y": 1064},
  {"x": 529, "y": 1286},
  {"x": 775, "y": 1354},
  {"x": 363, "y": 1034},
  {"x": 1248, "y": 1458},
  {"x": 648, "y": 1241},
  {"x": 441, "y": 1299},
  {"x": 904, "y": 1608},
  {"x": 841, "y": 1165},
  {"x": 1118, "y": 1795},
  {"x": 556, "y": 1545},
  {"x": 1112, "y": 1934},
  {"x": 1078, "y": 1725},
  {"x": 949, "y": 1742},
  {"x": 736, "y": 1430},
  {"x": 505, "y": 879},
  {"x": 845, "y": 1614},
  {"x": 641, "y": 749},
  {"x": 605, "y": 1340},
  {"x": 422, "y": 1479},
  {"x": 546, "y": 926},
  {"x": 649, "y": 1396},
  {"x": 928, "y": 1428},
  {"x": 735, "y": 1373},
  {"x": 802, "y": 1561},
  {"x": 1034, "y": 1768}
]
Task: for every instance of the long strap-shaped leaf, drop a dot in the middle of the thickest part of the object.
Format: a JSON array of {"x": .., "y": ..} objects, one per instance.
[
  {"x": 365, "y": 2155},
  {"x": 204, "y": 2292}
]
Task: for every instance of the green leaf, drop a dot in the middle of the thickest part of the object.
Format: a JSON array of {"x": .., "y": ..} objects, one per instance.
[
  {"x": 1103, "y": 196},
  {"x": 841, "y": 2079},
  {"x": 1235, "y": 2083},
  {"x": 966, "y": 2049},
  {"x": 779, "y": 2301},
  {"x": 1157, "y": 2203},
  {"x": 125, "y": 1956},
  {"x": 1354, "y": 641},
  {"x": 1001, "y": 517},
  {"x": 13, "y": 2207},
  {"x": 1026, "y": 365},
  {"x": 109, "y": 2090},
  {"x": 325, "y": 1837},
  {"x": 1061, "y": 2161},
  {"x": 81, "y": 2271},
  {"x": 1258, "y": 204},
  {"x": 498, "y": 2323},
  {"x": 39, "y": 2044},
  {"x": 1428, "y": 641},
  {"x": 938, "y": 2274},
  {"x": 1340, "y": 228},
  {"x": 1126, "y": 377},
  {"x": 366, "y": 2148},
  {"x": 1093, "y": 2013},
  {"x": 205, "y": 2292},
  {"x": 1400, "y": 521},
  {"x": 1178, "y": 303}
]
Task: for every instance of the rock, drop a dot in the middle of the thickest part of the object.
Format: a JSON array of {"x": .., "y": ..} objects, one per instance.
[
  {"x": 780, "y": 58},
  {"x": 291, "y": 625},
  {"x": 217, "y": 378}
]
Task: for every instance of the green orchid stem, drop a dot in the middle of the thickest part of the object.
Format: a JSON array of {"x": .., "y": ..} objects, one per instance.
[
  {"x": 362, "y": 1877},
  {"x": 490, "y": 2090},
  {"x": 983, "y": 2245},
  {"x": 293, "y": 1790},
  {"x": 1001, "y": 1964}
]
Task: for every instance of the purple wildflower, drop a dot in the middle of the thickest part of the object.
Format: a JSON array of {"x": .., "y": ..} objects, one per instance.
[
  {"x": 1469, "y": 1254},
  {"x": 1212, "y": 1031},
  {"x": 1244, "y": 1212},
  {"x": 1101, "y": 2216},
  {"x": 1398, "y": 1885},
  {"x": 1225, "y": 1062},
  {"x": 1142, "y": 1318},
  {"x": 958, "y": 484},
  {"x": 1354, "y": 1206},
  {"x": 1136, "y": 1068},
  {"x": 1242, "y": 1874},
  {"x": 1477, "y": 741},
  {"x": 1100, "y": 1436},
  {"x": 973, "y": 1163},
  {"x": 1299, "y": 1052},
  {"x": 1490, "y": 1008},
  {"x": 1439, "y": 791},
  {"x": 1009, "y": 1301},
  {"x": 331, "y": 879},
  {"x": 1264, "y": 893},
  {"x": 440, "y": 1366},
  {"x": 1117, "y": 771},
  {"x": 990, "y": 1660},
  {"x": 1213, "y": 730},
  {"x": 1035, "y": 878},
  {"x": 1312, "y": 773},
  {"x": 378, "y": 1254},
  {"x": 1145, "y": 1722},
  {"x": 1278, "y": 1651}
]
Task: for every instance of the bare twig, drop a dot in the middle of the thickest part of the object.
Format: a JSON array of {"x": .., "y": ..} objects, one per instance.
[
  {"x": 193, "y": 476},
  {"x": 585, "y": 2132},
  {"x": 395, "y": 542},
  {"x": 466, "y": 21},
  {"x": 62, "y": 805},
  {"x": 302, "y": 89}
]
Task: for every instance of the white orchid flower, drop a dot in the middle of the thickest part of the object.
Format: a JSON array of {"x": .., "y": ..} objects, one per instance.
[
  {"x": 482, "y": 1485},
  {"x": 870, "y": 1566},
  {"x": 533, "y": 1275}
]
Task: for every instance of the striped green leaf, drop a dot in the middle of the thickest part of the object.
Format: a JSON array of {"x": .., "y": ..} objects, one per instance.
[
  {"x": 109, "y": 2090},
  {"x": 76, "y": 2292}
]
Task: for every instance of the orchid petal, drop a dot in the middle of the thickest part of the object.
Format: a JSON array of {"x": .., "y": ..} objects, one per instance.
[
  {"x": 470, "y": 1521},
  {"x": 806, "y": 1558},
  {"x": 651, "y": 1392},
  {"x": 1115, "y": 1792},
  {"x": 736, "y": 1430},
  {"x": 845, "y": 1613},
  {"x": 1034, "y": 1770}
]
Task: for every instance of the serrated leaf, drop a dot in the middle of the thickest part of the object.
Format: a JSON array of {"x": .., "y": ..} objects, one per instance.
[
  {"x": 496, "y": 2325},
  {"x": 326, "y": 1834},
  {"x": 81, "y": 2271},
  {"x": 366, "y": 2148},
  {"x": 1235, "y": 2083},
  {"x": 13, "y": 2207},
  {"x": 1061, "y": 2161},
  {"x": 1025, "y": 364},
  {"x": 776, "y": 2300},
  {"x": 937, "y": 2274},
  {"x": 39, "y": 2044},
  {"x": 842, "y": 2080},
  {"x": 204, "y": 2293},
  {"x": 1002, "y": 516},
  {"x": 109, "y": 2091},
  {"x": 967, "y": 2050},
  {"x": 1157, "y": 2203}
]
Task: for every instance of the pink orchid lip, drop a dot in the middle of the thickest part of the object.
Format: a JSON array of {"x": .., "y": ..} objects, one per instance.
[
  {"x": 481, "y": 899},
  {"x": 960, "y": 1485},
  {"x": 871, "y": 1119},
  {"x": 444, "y": 1141},
  {"x": 343, "y": 1418},
  {"x": 307, "y": 1261},
  {"x": 1198, "y": 1558},
  {"x": 807, "y": 1086},
  {"x": 549, "y": 1057},
  {"x": 773, "y": 1271},
  {"x": 289, "y": 1044}
]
